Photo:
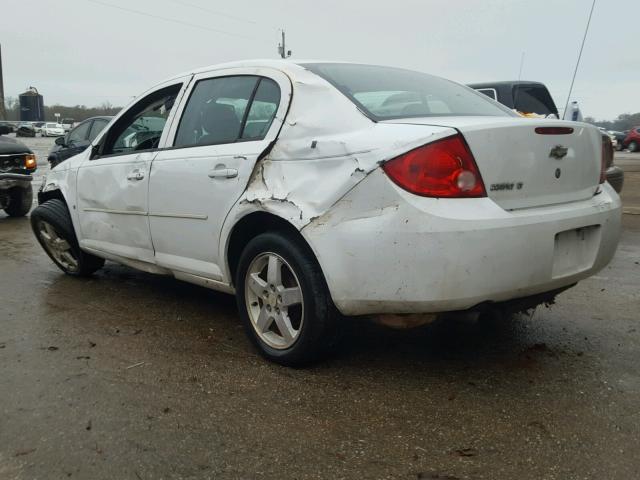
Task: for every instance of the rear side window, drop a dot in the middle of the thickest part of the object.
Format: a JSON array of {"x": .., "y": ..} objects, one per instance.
[
  {"x": 263, "y": 110},
  {"x": 533, "y": 99},
  {"x": 220, "y": 110},
  {"x": 384, "y": 93},
  {"x": 489, "y": 92}
]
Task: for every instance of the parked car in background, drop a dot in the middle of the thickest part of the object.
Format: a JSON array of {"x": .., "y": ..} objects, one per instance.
[
  {"x": 632, "y": 140},
  {"x": 5, "y": 128},
  {"x": 17, "y": 163},
  {"x": 612, "y": 137},
  {"x": 533, "y": 98},
  {"x": 52, "y": 130},
  {"x": 25, "y": 130},
  {"x": 614, "y": 174},
  {"x": 302, "y": 190},
  {"x": 38, "y": 126},
  {"x": 620, "y": 136},
  {"x": 67, "y": 124},
  {"x": 79, "y": 138},
  {"x": 523, "y": 96}
]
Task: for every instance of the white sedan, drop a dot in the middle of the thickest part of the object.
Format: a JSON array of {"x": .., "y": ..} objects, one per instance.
[
  {"x": 314, "y": 191},
  {"x": 52, "y": 130}
]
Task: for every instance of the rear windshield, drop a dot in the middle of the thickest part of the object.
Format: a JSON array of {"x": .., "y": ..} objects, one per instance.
[
  {"x": 384, "y": 93},
  {"x": 533, "y": 99}
]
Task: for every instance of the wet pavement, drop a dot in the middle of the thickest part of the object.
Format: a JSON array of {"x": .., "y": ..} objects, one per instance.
[{"x": 128, "y": 375}]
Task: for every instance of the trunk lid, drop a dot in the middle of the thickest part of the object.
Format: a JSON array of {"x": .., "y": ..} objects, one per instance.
[{"x": 524, "y": 169}]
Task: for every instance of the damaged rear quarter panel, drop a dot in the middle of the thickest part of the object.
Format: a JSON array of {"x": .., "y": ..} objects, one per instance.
[{"x": 326, "y": 147}]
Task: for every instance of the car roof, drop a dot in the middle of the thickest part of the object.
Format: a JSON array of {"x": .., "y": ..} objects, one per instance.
[
  {"x": 98, "y": 117},
  {"x": 290, "y": 67}
]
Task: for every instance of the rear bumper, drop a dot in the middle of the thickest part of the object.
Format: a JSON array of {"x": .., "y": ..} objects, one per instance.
[{"x": 393, "y": 252}]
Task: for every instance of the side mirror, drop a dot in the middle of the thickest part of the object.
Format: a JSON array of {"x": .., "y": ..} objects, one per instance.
[
  {"x": 60, "y": 141},
  {"x": 95, "y": 151}
]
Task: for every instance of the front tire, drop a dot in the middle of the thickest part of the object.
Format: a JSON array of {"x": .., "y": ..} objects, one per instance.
[
  {"x": 284, "y": 301},
  {"x": 633, "y": 147},
  {"x": 51, "y": 224},
  {"x": 20, "y": 201}
]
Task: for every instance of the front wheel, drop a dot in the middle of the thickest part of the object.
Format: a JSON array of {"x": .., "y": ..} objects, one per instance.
[
  {"x": 20, "y": 201},
  {"x": 51, "y": 224},
  {"x": 284, "y": 301},
  {"x": 633, "y": 147}
]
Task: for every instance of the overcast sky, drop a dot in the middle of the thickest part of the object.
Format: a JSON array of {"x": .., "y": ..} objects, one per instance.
[{"x": 92, "y": 51}]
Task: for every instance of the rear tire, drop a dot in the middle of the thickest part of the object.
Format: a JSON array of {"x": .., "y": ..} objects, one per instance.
[
  {"x": 20, "y": 201},
  {"x": 633, "y": 147},
  {"x": 52, "y": 226},
  {"x": 284, "y": 301}
]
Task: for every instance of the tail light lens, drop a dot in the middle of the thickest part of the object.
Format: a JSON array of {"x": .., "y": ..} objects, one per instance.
[
  {"x": 607, "y": 157},
  {"x": 445, "y": 168}
]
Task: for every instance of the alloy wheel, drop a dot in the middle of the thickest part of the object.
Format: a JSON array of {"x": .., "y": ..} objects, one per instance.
[
  {"x": 57, "y": 246},
  {"x": 274, "y": 300}
]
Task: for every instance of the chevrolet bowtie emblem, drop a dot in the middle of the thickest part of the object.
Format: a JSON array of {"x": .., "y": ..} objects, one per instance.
[{"x": 558, "y": 152}]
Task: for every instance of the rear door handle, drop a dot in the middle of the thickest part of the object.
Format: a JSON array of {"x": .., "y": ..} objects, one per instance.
[
  {"x": 223, "y": 173},
  {"x": 135, "y": 174}
]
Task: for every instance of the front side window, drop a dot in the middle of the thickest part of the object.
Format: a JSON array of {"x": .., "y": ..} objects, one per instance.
[
  {"x": 141, "y": 127},
  {"x": 79, "y": 134},
  {"x": 384, "y": 93},
  {"x": 96, "y": 128}
]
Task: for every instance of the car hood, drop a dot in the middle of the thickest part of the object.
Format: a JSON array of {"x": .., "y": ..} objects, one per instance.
[{"x": 9, "y": 146}]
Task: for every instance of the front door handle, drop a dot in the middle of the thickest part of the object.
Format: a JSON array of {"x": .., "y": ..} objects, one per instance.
[
  {"x": 223, "y": 173},
  {"x": 135, "y": 174}
]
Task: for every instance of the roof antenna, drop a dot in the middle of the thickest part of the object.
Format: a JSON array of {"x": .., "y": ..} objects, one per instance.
[
  {"x": 282, "y": 51},
  {"x": 517, "y": 88},
  {"x": 521, "y": 65},
  {"x": 584, "y": 38}
]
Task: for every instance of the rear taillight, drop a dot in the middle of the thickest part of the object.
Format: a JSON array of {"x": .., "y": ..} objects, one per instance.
[
  {"x": 607, "y": 157},
  {"x": 445, "y": 168}
]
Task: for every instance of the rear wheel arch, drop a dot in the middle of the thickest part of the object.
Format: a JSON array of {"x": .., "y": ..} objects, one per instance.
[{"x": 252, "y": 225}]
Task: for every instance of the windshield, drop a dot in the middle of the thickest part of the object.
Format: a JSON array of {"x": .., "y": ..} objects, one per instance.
[
  {"x": 52, "y": 125},
  {"x": 384, "y": 93}
]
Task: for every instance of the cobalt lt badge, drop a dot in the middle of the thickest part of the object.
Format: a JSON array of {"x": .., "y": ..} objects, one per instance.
[{"x": 558, "y": 152}]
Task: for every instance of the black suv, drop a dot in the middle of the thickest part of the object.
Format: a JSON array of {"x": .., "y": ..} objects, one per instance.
[
  {"x": 79, "y": 138},
  {"x": 17, "y": 163},
  {"x": 523, "y": 96}
]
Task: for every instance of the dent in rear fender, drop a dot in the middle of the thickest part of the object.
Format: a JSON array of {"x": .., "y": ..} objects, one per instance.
[
  {"x": 326, "y": 147},
  {"x": 304, "y": 175}
]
